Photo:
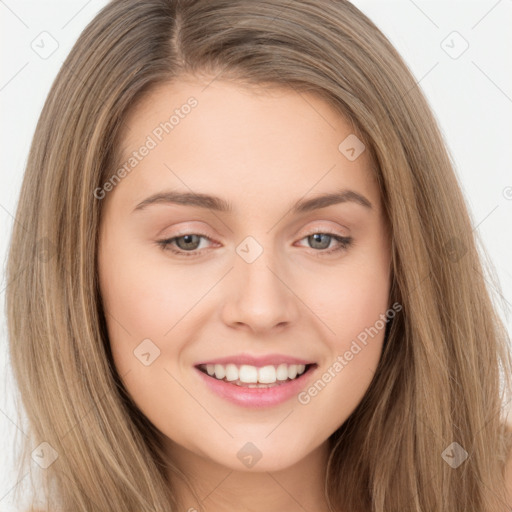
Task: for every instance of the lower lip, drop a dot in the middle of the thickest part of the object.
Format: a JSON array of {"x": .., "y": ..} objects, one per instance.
[{"x": 257, "y": 397}]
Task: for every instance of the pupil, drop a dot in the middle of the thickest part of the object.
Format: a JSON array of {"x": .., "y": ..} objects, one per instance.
[
  {"x": 317, "y": 238},
  {"x": 188, "y": 239}
]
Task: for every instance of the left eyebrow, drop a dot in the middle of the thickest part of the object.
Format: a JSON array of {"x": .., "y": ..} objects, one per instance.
[
  {"x": 217, "y": 203},
  {"x": 325, "y": 200}
]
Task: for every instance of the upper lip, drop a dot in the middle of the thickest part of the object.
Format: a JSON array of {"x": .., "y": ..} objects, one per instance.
[{"x": 258, "y": 361}]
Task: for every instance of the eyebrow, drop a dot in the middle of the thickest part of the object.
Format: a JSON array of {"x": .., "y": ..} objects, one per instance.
[{"x": 221, "y": 205}]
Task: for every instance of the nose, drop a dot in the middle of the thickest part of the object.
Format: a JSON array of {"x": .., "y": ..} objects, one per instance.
[{"x": 259, "y": 297}]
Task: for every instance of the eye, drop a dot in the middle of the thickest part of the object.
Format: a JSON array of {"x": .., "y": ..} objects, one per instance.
[
  {"x": 189, "y": 244},
  {"x": 322, "y": 240}
]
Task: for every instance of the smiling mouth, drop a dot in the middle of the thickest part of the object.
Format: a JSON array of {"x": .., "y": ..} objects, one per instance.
[{"x": 256, "y": 377}]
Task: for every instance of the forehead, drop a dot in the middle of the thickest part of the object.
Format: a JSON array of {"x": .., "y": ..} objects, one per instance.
[{"x": 273, "y": 142}]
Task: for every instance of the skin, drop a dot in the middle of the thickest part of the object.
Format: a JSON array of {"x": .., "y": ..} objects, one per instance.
[{"x": 261, "y": 151}]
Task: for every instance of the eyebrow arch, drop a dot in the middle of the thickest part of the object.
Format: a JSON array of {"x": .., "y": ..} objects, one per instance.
[{"x": 218, "y": 204}]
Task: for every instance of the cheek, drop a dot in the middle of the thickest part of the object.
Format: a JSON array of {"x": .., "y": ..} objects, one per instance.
[
  {"x": 355, "y": 310},
  {"x": 357, "y": 315},
  {"x": 141, "y": 305},
  {"x": 351, "y": 300},
  {"x": 359, "y": 310},
  {"x": 353, "y": 303},
  {"x": 138, "y": 303},
  {"x": 141, "y": 297}
]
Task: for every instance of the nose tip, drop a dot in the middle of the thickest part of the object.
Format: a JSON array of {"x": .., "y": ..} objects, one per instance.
[{"x": 258, "y": 297}]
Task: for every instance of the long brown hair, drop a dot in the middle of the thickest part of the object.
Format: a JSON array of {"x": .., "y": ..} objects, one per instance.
[{"x": 445, "y": 370}]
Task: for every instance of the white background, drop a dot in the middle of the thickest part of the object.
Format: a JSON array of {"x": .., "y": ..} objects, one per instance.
[{"x": 471, "y": 97}]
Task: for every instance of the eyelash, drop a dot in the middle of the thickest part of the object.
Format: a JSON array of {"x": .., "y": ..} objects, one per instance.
[{"x": 345, "y": 243}]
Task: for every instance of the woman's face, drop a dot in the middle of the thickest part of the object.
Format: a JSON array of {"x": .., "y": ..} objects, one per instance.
[{"x": 268, "y": 280}]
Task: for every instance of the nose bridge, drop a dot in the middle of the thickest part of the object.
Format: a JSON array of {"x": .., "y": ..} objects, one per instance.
[{"x": 258, "y": 295}]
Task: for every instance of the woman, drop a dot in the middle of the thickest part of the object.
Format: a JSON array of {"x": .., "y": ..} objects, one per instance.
[{"x": 328, "y": 337}]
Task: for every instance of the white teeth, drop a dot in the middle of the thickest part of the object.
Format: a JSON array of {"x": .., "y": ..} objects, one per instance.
[
  {"x": 231, "y": 372},
  {"x": 248, "y": 374},
  {"x": 220, "y": 371},
  {"x": 266, "y": 375},
  {"x": 282, "y": 372}
]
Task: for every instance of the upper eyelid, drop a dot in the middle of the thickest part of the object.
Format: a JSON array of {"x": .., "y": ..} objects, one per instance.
[
  {"x": 315, "y": 229},
  {"x": 309, "y": 233}
]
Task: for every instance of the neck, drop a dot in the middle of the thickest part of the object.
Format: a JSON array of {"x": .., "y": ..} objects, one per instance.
[{"x": 216, "y": 488}]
